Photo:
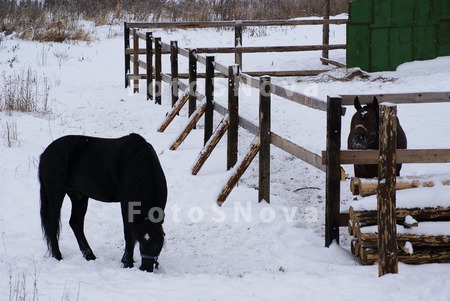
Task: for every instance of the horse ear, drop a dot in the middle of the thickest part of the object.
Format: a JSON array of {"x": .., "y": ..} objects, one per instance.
[
  {"x": 357, "y": 104},
  {"x": 375, "y": 101}
]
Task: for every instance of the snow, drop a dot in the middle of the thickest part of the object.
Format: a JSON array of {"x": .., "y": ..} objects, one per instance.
[{"x": 241, "y": 251}]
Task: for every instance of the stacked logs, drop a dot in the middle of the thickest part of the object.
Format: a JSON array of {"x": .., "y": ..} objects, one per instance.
[{"x": 423, "y": 234}]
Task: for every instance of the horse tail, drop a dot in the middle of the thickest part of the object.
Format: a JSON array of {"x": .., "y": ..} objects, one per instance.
[{"x": 48, "y": 217}]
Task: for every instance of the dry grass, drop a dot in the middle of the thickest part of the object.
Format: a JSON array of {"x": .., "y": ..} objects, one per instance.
[
  {"x": 24, "y": 92},
  {"x": 58, "y": 20}
]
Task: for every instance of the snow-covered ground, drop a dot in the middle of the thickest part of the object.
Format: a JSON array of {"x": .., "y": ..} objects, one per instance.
[{"x": 242, "y": 251}]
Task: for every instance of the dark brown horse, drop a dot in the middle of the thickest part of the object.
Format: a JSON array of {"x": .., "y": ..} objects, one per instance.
[{"x": 364, "y": 134}]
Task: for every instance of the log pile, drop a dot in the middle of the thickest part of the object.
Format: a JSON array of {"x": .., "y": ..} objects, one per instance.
[{"x": 423, "y": 235}]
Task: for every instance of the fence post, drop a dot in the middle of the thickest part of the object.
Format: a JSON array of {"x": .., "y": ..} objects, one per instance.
[
  {"x": 192, "y": 82},
  {"x": 264, "y": 128},
  {"x": 158, "y": 70},
  {"x": 233, "y": 112},
  {"x": 333, "y": 172},
  {"x": 386, "y": 207},
  {"x": 149, "y": 56},
  {"x": 174, "y": 70},
  {"x": 209, "y": 93},
  {"x": 135, "y": 61},
  {"x": 126, "y": 36},
  {"x": 326, "y": 30},
  {"x": 238, "y": 43}
]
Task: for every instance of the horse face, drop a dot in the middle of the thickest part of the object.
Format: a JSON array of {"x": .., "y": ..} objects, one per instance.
[
  {"x": 364, "y": 127},
  {"x": 150, "y": 245}
]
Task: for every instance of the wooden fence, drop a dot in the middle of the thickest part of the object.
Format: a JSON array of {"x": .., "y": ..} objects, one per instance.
[
  {"x": 334, "y": 157},
  {"x": 203, "y": 104}
]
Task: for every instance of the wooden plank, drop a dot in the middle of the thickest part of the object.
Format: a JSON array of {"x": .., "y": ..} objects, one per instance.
[
  {"x": 380, "y": 59},
  {"x": 149, "y": 64},
  {"x": 135, "y": 59},
  {"x": 424, "y": 42},
  {"x": 332, "y": 62},
  {"x": 358, "y": 46},
  {"x": 126, "y": 44},
  {"x": 174, "y": 71},
  {"x": 360, "y": 12},
  {"x": 242, "y": 23},
  {"x": 175, "y": 110},
  {"x": 403, "y": 156},
  {"x": 233, "y": 111},
  {"x": 300, "y": 98},
  {"x": 386, "y": 196},
  {"x": 398, "y": 98},
  {"x": 132, "y": 51},
  {"x": 263, "y": 49},
  {"x": 382, "y": 14},
  {"x": 265, "y": 128},
  {"x": 333, "y": 174},
  {"x": 189, "y": 126},
  {"x": 400, "y": 48},
  {"x": 210, "y": 145},
  {"x": 239, "y": 170},
  {"x": 158, "y": 70},
  {"x": 297, "y": 151},
  {"x": 403, "y": 13},
  {"x": 326, "y": 30},
  {"x": 192, "y": 82},
  {"x": 209, "y": 96}
]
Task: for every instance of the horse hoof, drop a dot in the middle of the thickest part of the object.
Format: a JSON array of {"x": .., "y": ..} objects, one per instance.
[
  {"x": 58, "y": 257},
  {"x": 127, "y": 265},
  {"x": 90, "y": 257}
]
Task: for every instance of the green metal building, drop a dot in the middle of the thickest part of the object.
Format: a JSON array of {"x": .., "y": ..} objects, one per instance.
[{"x": 383, "y": 34}]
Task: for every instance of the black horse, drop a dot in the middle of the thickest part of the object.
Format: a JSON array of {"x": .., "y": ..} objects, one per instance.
[
  {"x": 364, "y": 134},
  {"x": 125, "y": 170}
]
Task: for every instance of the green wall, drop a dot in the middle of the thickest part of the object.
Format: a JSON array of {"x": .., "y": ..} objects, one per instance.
[{"x": 383, "y": 34}]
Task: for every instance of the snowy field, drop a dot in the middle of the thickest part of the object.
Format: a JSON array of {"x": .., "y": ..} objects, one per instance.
[{"x": 242, "y": 251}]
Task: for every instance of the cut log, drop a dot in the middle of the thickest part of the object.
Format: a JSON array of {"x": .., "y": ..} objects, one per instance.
[
  {"x": 369, "y": 187},
  {"x": 369, "y": 217},
  {"x": 420, "y": 256},
  {"x": 421, "y": 236}
]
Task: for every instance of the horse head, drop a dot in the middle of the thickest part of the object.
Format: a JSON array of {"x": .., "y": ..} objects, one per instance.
[
  {"x": 151, "y": 241},
  {"x": 364, "y": 126}
]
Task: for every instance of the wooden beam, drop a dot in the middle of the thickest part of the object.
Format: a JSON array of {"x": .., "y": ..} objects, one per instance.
[
  {"x": 262, "y": 49},
  {"x": 175, "y": 110},
  {"x": 210, "y": 145},
  {"x": 190, "y": 126},
  {"x": 265, "y": 129},
  {"x": 386, "y": 196},
  {"x": 332, "y": 62},
  {"x": 242, "y": 23},
  {"x": 403, "y": 156},
  {"x": 239, "y": 170},
  {"x": 398, "y": 98},
  {"x": 333, "y": 175}
]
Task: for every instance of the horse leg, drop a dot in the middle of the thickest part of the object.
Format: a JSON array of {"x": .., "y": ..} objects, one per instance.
[
  {"x": 127, "y": 258},
  {"x": 79, "y": 208}
]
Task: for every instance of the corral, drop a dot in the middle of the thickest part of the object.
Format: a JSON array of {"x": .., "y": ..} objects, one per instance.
[{"x": 332, "y": 158}]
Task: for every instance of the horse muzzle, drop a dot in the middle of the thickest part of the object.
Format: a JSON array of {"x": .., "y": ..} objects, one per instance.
[{"x": 149, "y": 263}]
